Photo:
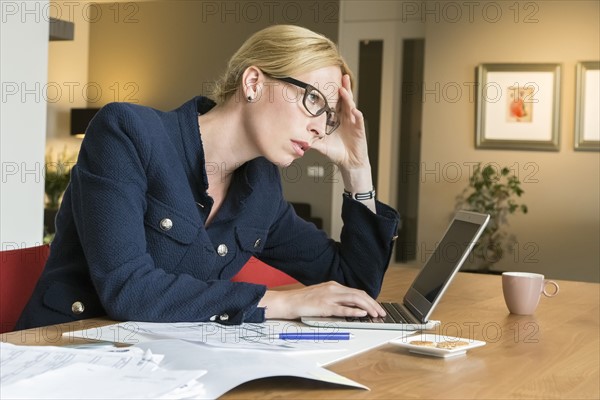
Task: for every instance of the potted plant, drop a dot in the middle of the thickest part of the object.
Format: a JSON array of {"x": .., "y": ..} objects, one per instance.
[
  {"x": 495, "y": 192},
  {"x": 57, "y": 176}
]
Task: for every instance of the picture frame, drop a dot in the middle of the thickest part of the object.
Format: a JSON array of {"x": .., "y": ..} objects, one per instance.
[
  {"x": 587, "y": 104},
  {"x": 518, "y": 106}
]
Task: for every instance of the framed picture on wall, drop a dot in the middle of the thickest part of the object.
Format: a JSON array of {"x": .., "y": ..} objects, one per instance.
[
  {"x": 518, "y": 106},
  {"x": 587, "y": 104}
]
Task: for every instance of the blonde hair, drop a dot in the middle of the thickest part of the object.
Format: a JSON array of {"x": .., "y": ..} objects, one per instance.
[{"x": 280, "y": 51}]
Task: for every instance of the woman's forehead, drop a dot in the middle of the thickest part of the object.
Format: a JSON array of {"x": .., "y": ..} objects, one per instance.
[{"x": 322, "y": 76}]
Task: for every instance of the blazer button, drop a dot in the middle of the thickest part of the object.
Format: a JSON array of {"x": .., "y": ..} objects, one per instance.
[
  {"x": 166, "y": 224},
  {"x": 77, "y": 307},
  {"x": 257, "y": 243},
  {"x": 222, "y": 250},
  {"x": 222, "y": 317}
]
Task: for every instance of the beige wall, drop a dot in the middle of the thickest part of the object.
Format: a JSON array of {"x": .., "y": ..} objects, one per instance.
[
  {"x": 67, "y": 73},
  {"x": 561, "y": 234},
  {"x": 68, "y": 61},
  {"x": 161, "y": 53}
]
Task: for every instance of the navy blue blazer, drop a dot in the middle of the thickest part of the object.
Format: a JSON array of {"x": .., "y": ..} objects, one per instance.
[{"x": 131, "y": 240}]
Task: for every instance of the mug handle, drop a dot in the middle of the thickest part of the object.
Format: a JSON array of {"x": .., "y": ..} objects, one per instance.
[{"x": 546, "y": 282}]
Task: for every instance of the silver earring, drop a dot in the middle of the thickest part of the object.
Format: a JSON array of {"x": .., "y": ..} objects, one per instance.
[{"x": 249, "y": 98}]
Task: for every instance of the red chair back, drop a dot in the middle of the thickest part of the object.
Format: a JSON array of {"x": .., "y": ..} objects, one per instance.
[
  {"x": 20, "y": 270},
  {"x": 256, "y": 271}
]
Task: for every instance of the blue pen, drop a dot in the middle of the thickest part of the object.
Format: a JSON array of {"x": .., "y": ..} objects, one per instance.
[{"x": 314, "y": 336}]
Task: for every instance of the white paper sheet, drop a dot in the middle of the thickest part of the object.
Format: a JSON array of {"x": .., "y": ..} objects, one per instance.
[
  {"x": 48, "y": 372},
  {"x": 232, "y": 355},
  {"x": 90, "y": 381},
  {"x": 253, "y": 336},
  {"x": 229, "y": 368},
  {"x": 22, "y": 362},
  {"x": 245, "y": 336}
]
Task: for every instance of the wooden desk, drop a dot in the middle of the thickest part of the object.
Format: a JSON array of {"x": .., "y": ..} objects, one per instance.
[{"x": 552, "y": 355}]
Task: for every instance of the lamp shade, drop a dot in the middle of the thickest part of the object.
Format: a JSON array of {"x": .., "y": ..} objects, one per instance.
[{"x": 80, "y": 119}]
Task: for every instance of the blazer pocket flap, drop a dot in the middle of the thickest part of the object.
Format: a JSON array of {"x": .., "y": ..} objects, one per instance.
[
  {"x": 168, "y": 221},
  {"x": 251, "y": 239},
  {"x": 75, "y": 301}
]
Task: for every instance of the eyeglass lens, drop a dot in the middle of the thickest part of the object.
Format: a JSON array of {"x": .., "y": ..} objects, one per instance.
[{"x": 315, "y": 104}]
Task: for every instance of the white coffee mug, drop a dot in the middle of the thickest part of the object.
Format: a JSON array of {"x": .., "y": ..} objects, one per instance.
[{"x": 522, "y": 291}]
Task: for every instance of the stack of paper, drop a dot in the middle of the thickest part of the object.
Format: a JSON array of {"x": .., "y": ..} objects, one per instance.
[{"x": 46, "y": 372}]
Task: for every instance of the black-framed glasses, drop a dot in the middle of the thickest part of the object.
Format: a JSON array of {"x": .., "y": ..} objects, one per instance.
[{"x": 316, "y": 104}]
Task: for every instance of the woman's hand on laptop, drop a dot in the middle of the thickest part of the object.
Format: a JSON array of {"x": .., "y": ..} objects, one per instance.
[{"x": 322, "y": 300}]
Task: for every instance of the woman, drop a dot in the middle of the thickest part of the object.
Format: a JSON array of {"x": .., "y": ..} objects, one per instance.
[{"x": 164, "y": 208}]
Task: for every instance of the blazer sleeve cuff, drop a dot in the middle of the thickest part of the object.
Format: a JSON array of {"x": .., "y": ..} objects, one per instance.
[{"x": 387, "y": 219}]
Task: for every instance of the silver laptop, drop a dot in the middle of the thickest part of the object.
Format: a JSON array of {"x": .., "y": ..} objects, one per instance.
[{"x": 429, "y": 285}]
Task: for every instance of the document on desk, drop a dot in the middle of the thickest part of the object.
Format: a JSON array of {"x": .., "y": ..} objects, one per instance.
[
  {"x": 233, "y": 355},
  {"x": 62, "y": 373},
  {"x": 251, "y": 336},
  {"x": 229, "y": 368}
]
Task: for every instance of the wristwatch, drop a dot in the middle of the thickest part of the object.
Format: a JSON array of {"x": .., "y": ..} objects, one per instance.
[{"x": 360, "y": 196}]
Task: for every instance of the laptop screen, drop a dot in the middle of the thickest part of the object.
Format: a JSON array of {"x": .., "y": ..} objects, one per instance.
[
  {"x": 442, "y": 263},
  {"x": 435, "y": 276}
]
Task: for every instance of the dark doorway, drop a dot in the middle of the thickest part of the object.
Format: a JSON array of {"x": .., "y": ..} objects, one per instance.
[
  {"x": 369, "y": 96},
  {"x": 410, "y": 147}
]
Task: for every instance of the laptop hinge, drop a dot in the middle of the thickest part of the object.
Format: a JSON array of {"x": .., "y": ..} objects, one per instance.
[{"x": 413, "y": 310}]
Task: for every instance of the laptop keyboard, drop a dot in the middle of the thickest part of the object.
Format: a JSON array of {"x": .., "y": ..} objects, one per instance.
[{"x": 395, "y": 314}]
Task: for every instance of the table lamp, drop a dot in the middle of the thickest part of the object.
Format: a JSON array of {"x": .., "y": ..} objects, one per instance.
[{"x": 80, "y": 119}]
